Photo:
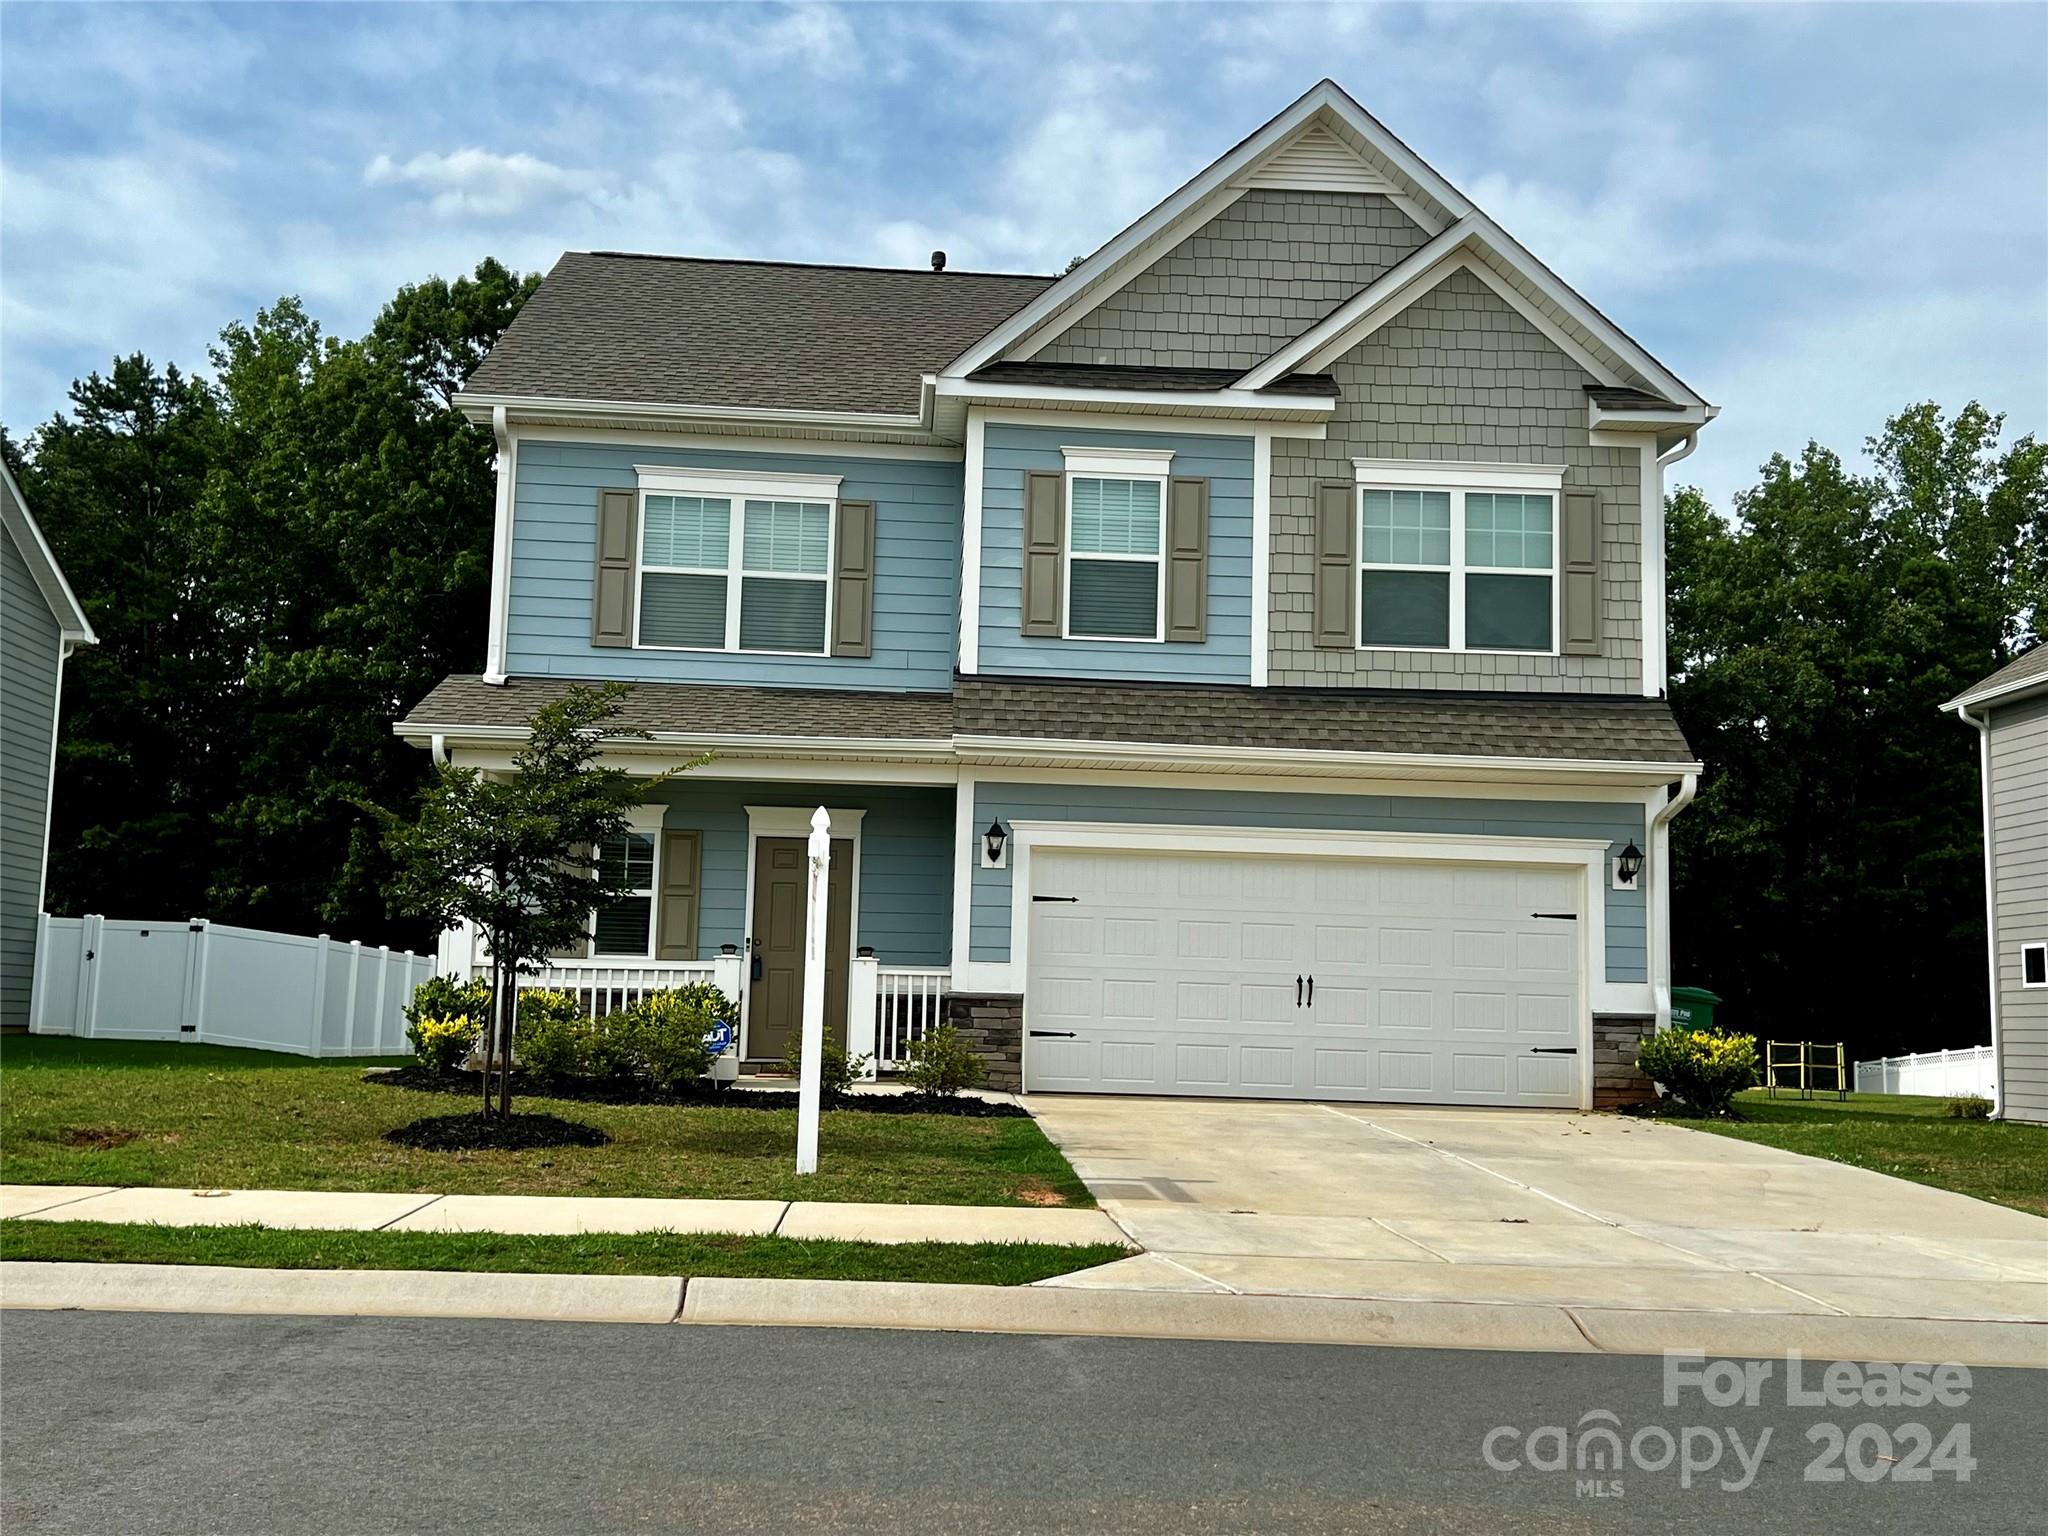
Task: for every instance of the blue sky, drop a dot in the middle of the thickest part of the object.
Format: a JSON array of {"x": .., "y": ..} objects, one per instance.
[{"x": 1815, "y": 215}]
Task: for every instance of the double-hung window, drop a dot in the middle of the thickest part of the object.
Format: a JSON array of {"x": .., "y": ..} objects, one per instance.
[
  {"x": 626, "y": 926},
  {"x": 735, "y": 562},
  {"x": 1116, "y": 517},
  {"x": 1458, "y": 557}
]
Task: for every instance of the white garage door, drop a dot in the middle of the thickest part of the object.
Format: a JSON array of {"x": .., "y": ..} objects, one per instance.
[{"x": 1323, "y": 978}]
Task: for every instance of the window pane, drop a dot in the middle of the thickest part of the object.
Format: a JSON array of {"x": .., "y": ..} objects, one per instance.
[
  {"x": 1407, "y": 528},
  {"x": 792, "y": 537},
  {"x": 628, "y": 860},
  {"x": 622, "y": 926},
  {"x": 1507, "y": 613},
  {"x": 1118, "y": 599},
  {"x": 1512, "y": 531},
  {"x": 1405, "y": 608},
  {"x": 781, "y": 615},
  {"x": 1115, "y": 517},
  {"x": 686, "y": 530},
  {"x": 682, "y": 610}
]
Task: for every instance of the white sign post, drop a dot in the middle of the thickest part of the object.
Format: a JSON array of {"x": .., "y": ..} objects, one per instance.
[{"x": 813, "y": 1026}]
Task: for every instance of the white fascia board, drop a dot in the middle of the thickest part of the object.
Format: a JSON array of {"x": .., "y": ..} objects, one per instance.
[
  {"x": 1247, "y": 403},
  {"x": 1332, "y": 335},
  {"x": 977, "y": 749},
  {"x": 1324, "y": 96},
  {"x": 478, "y": 408},
  {"x": 668, "y": 743},
  {"x": 72, "y": 625},
  {"x": 1128, "y": 420},
  {"x": 1600, "y": 419}
]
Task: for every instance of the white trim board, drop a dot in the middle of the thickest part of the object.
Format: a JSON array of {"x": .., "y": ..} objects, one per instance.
[{"x": 72, "y": 625}]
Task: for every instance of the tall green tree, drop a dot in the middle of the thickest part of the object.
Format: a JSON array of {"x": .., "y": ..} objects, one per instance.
[
  {"x": 1829, "y": 880},
  {"x": 333, "y": 531}
]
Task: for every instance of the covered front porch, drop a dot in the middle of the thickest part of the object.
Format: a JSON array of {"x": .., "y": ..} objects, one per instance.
[{"x": 717, "y": 868}]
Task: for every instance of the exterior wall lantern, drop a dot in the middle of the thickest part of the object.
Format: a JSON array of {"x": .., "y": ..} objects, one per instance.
[
  {"x": 1627, "y": 865},
  {"x": 994, "y": 844}
]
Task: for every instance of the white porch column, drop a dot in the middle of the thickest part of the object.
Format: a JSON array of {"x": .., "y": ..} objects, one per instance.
[{"x": 863, "y": 986}]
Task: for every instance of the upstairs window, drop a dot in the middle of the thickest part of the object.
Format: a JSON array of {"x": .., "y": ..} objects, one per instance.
[
  {"x": 1114, "y": 557},
  {"x": 626, "y": 926},
  {"x": 1454, "y": 568},
  {"x": 735, "y": 571}
]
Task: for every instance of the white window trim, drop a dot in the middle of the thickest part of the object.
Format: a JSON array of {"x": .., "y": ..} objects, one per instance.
[
  {"x": 1457, "y": 479},
  {"x": 735, "y": 487},
  {"x": 642, "y": 821},
  {"x": 2025, "y": 949},
  {"x": 1150, "y": 464}
]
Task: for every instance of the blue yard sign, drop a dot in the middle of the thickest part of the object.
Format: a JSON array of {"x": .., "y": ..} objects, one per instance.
[{"x": 719, "y": 1037}]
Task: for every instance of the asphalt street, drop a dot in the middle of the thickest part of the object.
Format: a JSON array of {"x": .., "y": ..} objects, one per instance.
[{"x": 139, "y": 1424}]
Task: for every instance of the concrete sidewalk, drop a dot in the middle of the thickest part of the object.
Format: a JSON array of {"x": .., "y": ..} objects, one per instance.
[{"x": 335, "y": 1210}]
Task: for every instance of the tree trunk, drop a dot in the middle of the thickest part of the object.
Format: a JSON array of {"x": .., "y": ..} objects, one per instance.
[{"x": 488, "y": 1039}]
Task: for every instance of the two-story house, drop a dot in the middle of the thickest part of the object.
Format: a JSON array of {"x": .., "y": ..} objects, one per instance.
[{"x": 1234, "y": 667}]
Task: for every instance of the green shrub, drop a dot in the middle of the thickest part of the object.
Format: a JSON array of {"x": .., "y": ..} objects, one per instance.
[
  {"x": 837, "y": 1072},
  {"x": 554, "y": 1050},
  {"x": 443, "y": 997},
  {"x": 664, "y": 1033},
  {"x": 1705, "y": 1068},
  {"x": 942, "y": 1063},
  {"x": 1967, "y": 1106}
]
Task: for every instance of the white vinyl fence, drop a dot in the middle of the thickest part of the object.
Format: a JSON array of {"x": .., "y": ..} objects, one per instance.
[
  {"x": 112, "y": 979},
  {"x": 1937, "y": 1074}
]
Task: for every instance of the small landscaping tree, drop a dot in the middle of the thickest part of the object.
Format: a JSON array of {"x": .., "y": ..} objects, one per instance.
[{"x": 516, "y": 854}]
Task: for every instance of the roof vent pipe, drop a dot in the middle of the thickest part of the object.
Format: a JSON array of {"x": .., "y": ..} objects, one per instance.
[{"x": 938, "y": 261}]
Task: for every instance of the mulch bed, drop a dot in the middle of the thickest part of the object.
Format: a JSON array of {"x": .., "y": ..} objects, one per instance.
[
  {"x": 496, "y": 1133},
  {"x": 616, "y": 1091}
]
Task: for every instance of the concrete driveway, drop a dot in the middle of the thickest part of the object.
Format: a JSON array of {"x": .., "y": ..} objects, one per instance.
[{"x": 1532, "y": 1206}]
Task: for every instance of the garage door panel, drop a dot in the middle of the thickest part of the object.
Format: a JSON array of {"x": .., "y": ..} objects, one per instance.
[{"x": 1182, "y": 974}]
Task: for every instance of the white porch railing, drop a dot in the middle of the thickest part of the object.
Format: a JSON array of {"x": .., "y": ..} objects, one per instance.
[
  {"x": 1936, "y": 1074},
  {"x": 606, "y": 986},
  {"x": 907, "y": 1008}
]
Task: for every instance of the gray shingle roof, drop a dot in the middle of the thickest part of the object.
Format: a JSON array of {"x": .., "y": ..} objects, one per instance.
[
  {"x": 702, "y": 708},
  {"x": 2028, "y": 667},
  {"x": 666, "y": 330},
  {"x": 1114, "y": 376},
  {"x": 1582, "y": 728},
  {"x": 1598, "y": 729}
]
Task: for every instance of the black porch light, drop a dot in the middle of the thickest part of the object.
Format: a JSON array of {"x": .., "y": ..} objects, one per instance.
[
  {"x": 1629, "y": 863},
  {"x": 993, "y": 840}
]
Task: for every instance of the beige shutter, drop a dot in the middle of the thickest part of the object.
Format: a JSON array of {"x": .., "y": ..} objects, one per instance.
[
  {"x": 677, "y": 904},
  {"x": 853, "y": 581},
  {"x": 1045, "y": 540},
  {"x": 611, "y": 611},
  {"x": 1336, "y": 579},
  {"x": 1580, "y": 565},
  {"x": 1187, "y": 560}
]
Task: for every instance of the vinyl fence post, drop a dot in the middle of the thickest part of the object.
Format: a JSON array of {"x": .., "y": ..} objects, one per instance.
[
  {"x": 86, "y": 1015},
  {"x": 38, "y": 991},
  {"x": 317, "y": 1005},
  {"x": 355, "y": 972},
  {"x": 192, "y": 1020}
]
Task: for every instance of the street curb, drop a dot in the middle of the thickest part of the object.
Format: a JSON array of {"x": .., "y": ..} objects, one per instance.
[
  {"x": 339, "y": 1292},
  {"x": 1334, "y": 1320}
]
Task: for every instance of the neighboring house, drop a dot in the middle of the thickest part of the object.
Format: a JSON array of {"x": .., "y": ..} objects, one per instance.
[
  {"x": 2010, "y": 711},
  {"x": 40, "y": 623},
  {"x": 1233, "y": 667}
]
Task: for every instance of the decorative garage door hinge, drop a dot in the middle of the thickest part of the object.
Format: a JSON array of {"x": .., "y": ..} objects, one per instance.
[
  {"x": 1558, "y": 917},
  {"x": 1055, "y": 898}
]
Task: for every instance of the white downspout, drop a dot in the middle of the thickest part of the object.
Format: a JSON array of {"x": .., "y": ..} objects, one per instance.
[
  {"x": 1660, "y": 903},
  {"x": 1656, "y": 583},
  {"x": 501, "y": 551},
  {"x": 1983, "y": 724}
]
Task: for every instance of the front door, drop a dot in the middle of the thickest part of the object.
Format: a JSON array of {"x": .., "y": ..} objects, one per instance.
[{"x": 775, "y": 993}]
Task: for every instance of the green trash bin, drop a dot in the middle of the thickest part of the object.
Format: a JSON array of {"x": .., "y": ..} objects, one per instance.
[{"x": 1693, "y": 1007}]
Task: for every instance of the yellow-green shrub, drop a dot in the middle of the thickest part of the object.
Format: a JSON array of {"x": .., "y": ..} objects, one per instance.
[
  {"x": 663, "y": 1033},
  {"x": 441, "y": 1044},
  {"x": 1705, "y": 1068},
  {"x": 555, "y": 1039},
  {"x": 942, "y": 1063}
]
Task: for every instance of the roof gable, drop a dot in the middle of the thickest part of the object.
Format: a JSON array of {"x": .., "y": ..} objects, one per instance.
[{"x": 42, "y": 563}]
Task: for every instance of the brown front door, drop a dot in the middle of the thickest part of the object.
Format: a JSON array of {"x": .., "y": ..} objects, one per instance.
[{"x": 775, "y": 995}]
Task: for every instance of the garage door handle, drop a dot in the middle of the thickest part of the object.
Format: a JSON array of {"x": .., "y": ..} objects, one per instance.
[
  {"x": 1553, "y": 1050},
  {"x": 1311, "y": 991},
  {"x": 1052, "y": 1034},
  {"x": 1297, "y": 991}
]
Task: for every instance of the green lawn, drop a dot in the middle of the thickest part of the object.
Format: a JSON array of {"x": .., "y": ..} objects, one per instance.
[
  {"x": 1909, "y": 1138},
  {"x": 101, "y": 1242},
  {"x": 126, "y": 1112}
]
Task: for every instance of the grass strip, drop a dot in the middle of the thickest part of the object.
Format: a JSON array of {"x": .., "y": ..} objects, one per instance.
[{"x": 643, "y": 1253}]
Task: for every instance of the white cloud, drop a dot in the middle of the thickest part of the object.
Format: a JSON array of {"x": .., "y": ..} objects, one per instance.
[{"x": 475, "y": 182}]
